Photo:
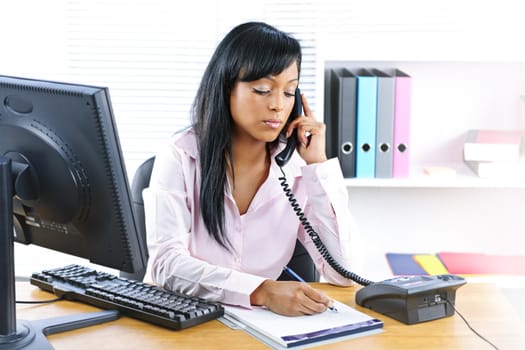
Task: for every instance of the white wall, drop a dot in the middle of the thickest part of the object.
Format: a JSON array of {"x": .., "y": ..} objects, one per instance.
[{"x": 42, "y": 40}]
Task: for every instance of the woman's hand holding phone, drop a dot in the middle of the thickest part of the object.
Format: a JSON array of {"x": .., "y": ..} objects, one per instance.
[{"x": 311, "y": 135}]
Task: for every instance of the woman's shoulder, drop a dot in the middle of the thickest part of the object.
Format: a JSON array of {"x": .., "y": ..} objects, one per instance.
[
  {"x": 184, "y": 141},
  {"x": 176, "y": 156}
]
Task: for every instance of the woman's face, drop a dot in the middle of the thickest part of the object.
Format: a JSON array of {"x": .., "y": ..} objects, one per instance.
[{"x": 261, "y": 108}]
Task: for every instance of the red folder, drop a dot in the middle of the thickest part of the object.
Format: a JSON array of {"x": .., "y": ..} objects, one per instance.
[{"x": 483, "y": 264}]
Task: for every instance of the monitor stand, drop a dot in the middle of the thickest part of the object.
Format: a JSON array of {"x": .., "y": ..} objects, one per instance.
[{"x": 27, "y": 335}]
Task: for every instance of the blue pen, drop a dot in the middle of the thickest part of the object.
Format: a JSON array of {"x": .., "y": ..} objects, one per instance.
[{"x": 295, "y": 276}]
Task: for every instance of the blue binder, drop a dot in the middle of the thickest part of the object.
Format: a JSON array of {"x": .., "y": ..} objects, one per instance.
[{"x": 366, "y": 123}]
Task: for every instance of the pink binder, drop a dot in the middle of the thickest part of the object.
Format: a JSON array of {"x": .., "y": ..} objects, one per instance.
[{"x": 402, "y": 109}]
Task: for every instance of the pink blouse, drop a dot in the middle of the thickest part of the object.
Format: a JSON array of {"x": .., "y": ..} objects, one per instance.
[{"x": 183, "y": 256}]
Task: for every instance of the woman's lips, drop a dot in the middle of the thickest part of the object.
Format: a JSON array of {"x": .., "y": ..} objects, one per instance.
[{"x": 274, "y": 124}]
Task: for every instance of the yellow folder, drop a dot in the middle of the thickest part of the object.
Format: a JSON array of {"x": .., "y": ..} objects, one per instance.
[{"x": 431, "y": 264}]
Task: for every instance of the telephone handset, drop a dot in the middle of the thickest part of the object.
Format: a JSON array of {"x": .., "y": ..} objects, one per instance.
[{"x": 284, "y": 156}]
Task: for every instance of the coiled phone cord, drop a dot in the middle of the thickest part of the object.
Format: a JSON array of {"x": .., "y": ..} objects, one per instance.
[{"x": 315, "y": 236}]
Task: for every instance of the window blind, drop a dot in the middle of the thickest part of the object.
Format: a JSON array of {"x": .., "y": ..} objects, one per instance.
[{"x": 152, "y": 54}]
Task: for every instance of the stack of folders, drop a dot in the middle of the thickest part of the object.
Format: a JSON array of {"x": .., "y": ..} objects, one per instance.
[
  {"x": 369, "y": 124},
  {"x": 495, "y": 153}
]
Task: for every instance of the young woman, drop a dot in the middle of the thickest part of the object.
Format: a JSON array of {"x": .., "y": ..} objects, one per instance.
[{"x": 219, "y": 224}]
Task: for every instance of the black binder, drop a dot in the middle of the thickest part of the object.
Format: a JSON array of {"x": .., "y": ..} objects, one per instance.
[{"x": 343, "y": 119}]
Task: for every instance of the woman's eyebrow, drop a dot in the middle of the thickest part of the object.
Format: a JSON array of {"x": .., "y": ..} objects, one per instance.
[{"x": 271, "y": 77}]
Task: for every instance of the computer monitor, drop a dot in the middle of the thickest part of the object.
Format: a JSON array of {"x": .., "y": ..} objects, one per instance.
[{"x": 63, "y": 184}]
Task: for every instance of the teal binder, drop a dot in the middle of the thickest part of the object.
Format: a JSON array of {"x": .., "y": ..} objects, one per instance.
[{"x": 366, "y": 123}]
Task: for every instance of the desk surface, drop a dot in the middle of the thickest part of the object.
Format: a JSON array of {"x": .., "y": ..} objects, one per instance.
[{"x": 484, "y": 305}]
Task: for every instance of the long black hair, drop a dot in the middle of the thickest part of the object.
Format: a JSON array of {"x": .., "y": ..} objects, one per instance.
[{"x": 248, "y": 52}]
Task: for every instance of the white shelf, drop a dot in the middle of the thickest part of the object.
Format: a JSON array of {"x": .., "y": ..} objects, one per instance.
[
  {"x": 464, "y": 178},
  {"x": 448, "y": 99}
]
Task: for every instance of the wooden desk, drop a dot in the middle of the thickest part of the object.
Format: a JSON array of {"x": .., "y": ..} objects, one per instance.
[{"x": 484, "y": 306}]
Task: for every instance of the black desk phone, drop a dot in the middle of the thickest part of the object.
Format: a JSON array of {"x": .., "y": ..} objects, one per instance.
[
  {"x": 409, "y": 299},
  {"x": 412, "y": 299}
]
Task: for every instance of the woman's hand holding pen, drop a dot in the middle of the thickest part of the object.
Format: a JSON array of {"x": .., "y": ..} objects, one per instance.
[{"x": 290, "y": 298}]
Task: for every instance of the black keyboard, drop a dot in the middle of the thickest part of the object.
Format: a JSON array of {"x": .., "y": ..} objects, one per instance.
[{"x": 135, "y": 299}]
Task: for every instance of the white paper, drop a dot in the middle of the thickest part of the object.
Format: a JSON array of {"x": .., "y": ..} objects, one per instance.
[{"x": 275, "y": 326}]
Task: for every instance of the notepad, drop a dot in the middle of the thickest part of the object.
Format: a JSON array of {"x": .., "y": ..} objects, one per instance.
[{"x": 280, "y": 331}]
